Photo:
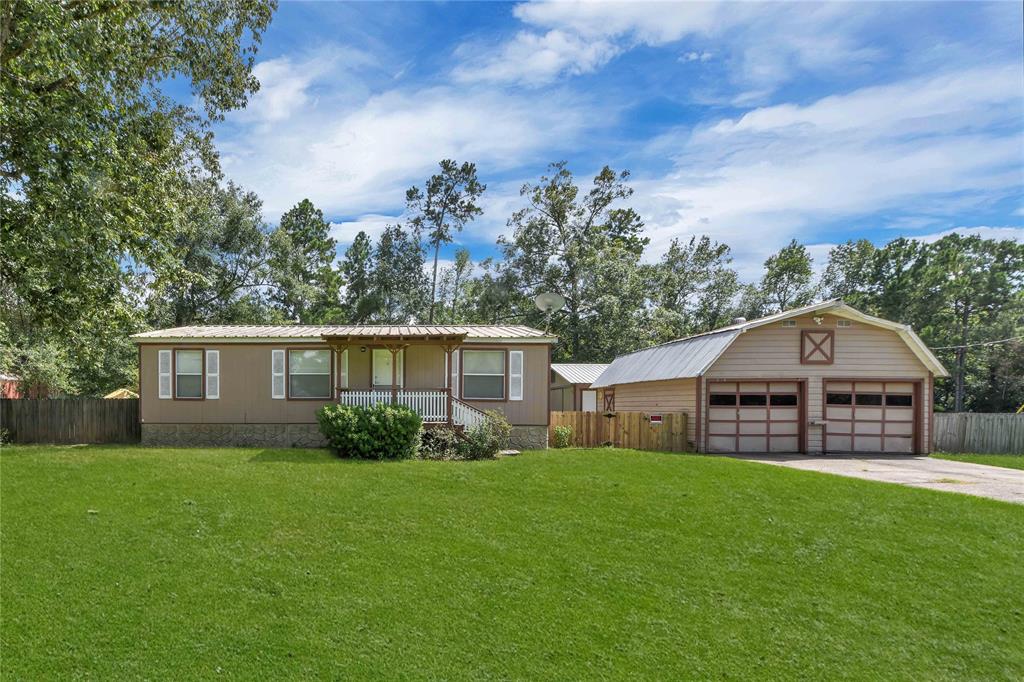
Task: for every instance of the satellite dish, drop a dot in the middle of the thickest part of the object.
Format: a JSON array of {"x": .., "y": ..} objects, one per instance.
[{"x": 549, "y": 303}]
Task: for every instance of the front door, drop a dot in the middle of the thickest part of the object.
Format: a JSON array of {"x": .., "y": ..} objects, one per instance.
[{"x": 382, "y": 367}]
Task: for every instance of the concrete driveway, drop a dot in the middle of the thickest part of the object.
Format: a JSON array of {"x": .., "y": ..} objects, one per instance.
[{"x": 997, "y": 483}]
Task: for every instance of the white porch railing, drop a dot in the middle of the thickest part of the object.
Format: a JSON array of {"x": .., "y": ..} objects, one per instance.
[
  {"x": 466, "y": 415},
  {"x": 431, "y": 406}
]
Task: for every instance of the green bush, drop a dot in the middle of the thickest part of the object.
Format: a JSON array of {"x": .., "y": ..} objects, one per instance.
[
  {"x": 563, "y": 436},
  {"x": 443, "y": 443},
  {"x": 379, "y": 432},
  {"x": 487, "y": 439},
  {"x": 480, "y": 442}
]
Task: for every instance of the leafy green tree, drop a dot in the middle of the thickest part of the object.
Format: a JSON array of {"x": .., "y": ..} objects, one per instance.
[
  {"x": 94, "y": 157},
  {"x": 399, "y": 281},
  {"x": 446, "y": 204},
  {"x": 850, "y": 274},
  {"x": 492, "y": 296},
  {"x": 695, "y": 288},
  {"x": 452, "y": 288},
  {"x": 787, "y": 279},
  {"x": 307, "y": 288},
  {"x": 562, "y": 240},
  {"x": 357, "y": 271},
  {"x": 223, "y": 262}
]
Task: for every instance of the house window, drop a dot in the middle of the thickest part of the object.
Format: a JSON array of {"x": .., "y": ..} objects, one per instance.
[
  {"x": 844, "y": 323},
  {"x": 872, "y": 399},
  {"x": 309, "y": 374},
  {"x": 188, "y": 374},
  {"x": 789, "y": 323},
  {"x": 483, "y": 374},
  {"x": 722, "y": 399},
  {"x": 783, "y": 400},
  {"x": 839, "y": 399}
]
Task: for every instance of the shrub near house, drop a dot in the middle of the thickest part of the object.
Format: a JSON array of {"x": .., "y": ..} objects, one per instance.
[{"x": 378, "y": 432}]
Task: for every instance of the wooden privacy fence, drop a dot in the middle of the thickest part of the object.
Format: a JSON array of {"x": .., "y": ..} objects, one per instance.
[
  {"x": 979, "y": 432},
  {"x": 624, "y": 430},
  {"x": 71, "y": 420}
]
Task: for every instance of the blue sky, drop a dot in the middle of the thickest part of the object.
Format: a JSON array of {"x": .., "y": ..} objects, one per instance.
[{"x": 752, "y": 123}]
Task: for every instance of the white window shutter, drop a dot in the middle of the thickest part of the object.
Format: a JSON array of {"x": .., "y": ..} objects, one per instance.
[
  {"x": 213, "y": 375},
  {"x": 515, "y": 375},
  {"x": 277, "y": 374},
  {"x": 164, "y": 358},
  {"x": 343, "y": 368},
  {"x": 455, "y": 372}
]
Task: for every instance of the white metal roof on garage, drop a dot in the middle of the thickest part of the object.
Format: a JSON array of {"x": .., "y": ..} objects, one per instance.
[
  {"x": 579, "y": 372},
  {"x": 692, "y": 356},
  {"x": 673, "y": 360}
]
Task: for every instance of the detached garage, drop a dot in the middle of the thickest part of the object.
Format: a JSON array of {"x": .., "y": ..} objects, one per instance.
[{"x": 821, "y": 379}]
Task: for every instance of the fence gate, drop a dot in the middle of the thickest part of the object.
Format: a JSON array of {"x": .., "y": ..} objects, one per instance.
[
  {"x": 665, "y": 431},
  {"x": 71, "y": 420}
]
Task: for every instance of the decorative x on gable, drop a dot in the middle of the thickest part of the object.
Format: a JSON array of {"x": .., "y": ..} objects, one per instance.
[{"x": 817, "y": 347}]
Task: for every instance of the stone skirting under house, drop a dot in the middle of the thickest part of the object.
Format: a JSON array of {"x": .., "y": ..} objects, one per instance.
[
  {"x": 234, "y": 435},
  {"x": 529, "y": 437},
  {"x": 284, "y": 435}
]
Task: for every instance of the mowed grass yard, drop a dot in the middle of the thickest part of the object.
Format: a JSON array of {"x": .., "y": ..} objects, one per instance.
[
  {"x": 1007, "y": 461},
  {"x": 258, "y": 564}
]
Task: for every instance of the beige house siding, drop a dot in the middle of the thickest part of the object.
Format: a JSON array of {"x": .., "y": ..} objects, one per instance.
[
  {"x": 245, "y": 385},
  {"x": 673, "y": 395},
  {"x": 861, "y": 352}
]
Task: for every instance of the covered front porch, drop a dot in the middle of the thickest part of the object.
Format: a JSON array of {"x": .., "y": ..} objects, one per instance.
[{"x": 417, "y": 370}]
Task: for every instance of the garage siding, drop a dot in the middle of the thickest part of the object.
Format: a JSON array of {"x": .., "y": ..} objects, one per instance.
[
  {"x": 861, "y": 351},
  {"x": 674, "y": 395}
]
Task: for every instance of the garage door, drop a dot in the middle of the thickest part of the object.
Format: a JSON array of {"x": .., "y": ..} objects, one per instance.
[
  {"x": 869, "y": 417},
  {"x": 761, "y": 416}
]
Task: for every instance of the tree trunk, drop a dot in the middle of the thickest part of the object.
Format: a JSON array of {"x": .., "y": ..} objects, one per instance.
[
  {"x": 961, "y": 362},
  {"x": 433, "y": 286}
]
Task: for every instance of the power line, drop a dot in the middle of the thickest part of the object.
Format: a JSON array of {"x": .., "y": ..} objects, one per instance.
[{"x": 981, "y": 343}]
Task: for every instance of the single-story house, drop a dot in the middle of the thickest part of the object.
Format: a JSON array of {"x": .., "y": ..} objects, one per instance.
[
  {"x": 570, "y": 386},
  {"x": 824, "y": 378},
  {"x": 262, "y": 385}
]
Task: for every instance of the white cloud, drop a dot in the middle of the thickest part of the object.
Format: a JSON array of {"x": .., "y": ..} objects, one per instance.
[
  {"x": 984, "y": 231},
  {"x": 534, "y": 59},
  {"x": 285, "y": 82},
  {"x": 765, "y": 44},
  {"x": 364, "y": 158},
  {"x": 785, "y": 171},
  {"x": 372, "y": 224}
]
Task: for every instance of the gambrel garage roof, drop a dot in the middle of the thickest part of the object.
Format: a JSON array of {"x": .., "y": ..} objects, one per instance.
[{"x": 694, "y": 355}]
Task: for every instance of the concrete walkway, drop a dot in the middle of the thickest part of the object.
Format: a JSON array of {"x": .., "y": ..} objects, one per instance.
[{"x": 997, "y": 483}]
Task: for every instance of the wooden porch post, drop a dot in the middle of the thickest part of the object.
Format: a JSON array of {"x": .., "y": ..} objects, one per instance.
[
  {"x": 394, "y": 374},
  {"x": 448, "y": 352}
]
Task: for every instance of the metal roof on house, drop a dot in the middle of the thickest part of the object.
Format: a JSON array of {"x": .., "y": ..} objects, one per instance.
[
  {"x": 579, "y": 372},
  {"x": 246, "y": 332},
  {"x": 680, "y": 359},
  {"x": 694, "y": 355}
]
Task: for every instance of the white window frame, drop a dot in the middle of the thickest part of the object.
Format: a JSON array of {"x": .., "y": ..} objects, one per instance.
[
  {"x": 202, "y": 372},
  {"x": 789, "y": 323},
  {"x": 212, "y": 368},
  {"x": 330, "y": 379},
  {"x": 504, "y": 377},
  {"x": 515, "y": 356},
  {"x": 844, "y": 323}
]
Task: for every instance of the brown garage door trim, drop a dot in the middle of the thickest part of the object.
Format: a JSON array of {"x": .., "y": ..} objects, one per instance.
[
  {"x": 918, "y": 382},
  {"x": 801, "y": 406}
]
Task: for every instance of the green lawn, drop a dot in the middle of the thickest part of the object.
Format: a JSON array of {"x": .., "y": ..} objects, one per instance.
[
  {"x": 1008, "y": 461},
  {"x": 246, "y": 564}
]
